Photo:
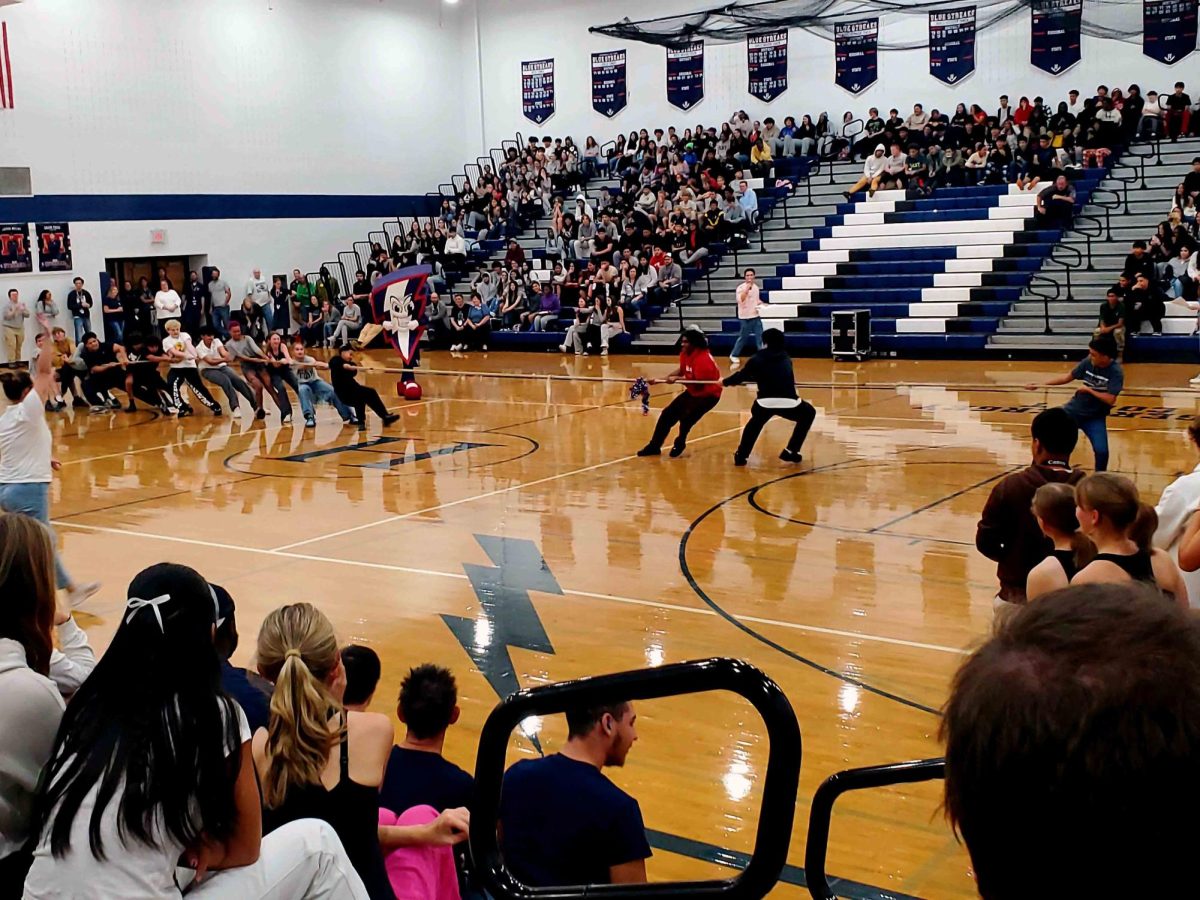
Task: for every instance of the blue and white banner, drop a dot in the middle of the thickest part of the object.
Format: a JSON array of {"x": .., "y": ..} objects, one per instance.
[
  {"x": 685, "y": 75},
  {"x": 1054, "y": 34},
  {"x": 610, "y": 92},
  {"x": 767, "y": 61},
  {"x": 1168, "y": 29},
  {"x": 952, "y": 44},
  {"x": 537, "y": 89},
  {"x": 856, "y": 54}
]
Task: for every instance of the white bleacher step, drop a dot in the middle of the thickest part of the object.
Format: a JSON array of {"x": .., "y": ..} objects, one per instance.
[
  {"x": 920, "y": 326},
  {"x": 993, "y": 241},
  {"x": 787, "y": 298},
  {"x": 974, "y": 226}
]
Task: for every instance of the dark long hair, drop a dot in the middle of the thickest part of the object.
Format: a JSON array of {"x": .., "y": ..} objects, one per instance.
[{"x": 150, "y": 728}]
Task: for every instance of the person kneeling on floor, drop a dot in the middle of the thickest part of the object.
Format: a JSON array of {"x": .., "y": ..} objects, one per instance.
[{"x": 771, "y": 369}]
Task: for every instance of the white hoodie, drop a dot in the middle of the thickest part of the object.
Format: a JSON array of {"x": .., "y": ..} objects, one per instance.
[
  {"x": 874, "y": 164},
  {"x": 31, "y": 709}
]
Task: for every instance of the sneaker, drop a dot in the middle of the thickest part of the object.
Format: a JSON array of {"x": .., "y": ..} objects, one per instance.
[
  {"x": 286, "y": 420},
  {"x": 562, "y": 348},
  {"x": 77, "y": 597},
  {"x": 1195, "y": 380},
  {"x": 131, "y": 407},
  {"x": 390, "y": 418},
  {"x": 734, "y": 362},
  {"x": 738, "y": 459},
  {"x": 98, "y": 408},
  {"x": 677, "y": 449},
  {"x": 649, "y": 451},
  {"x": 791, "y": 456},
  {"x": 310, "y": 422},
  {"x": 604, "y": 351},
  {"x": 846, "y": 194},
  {"x": 260, "y": 413},
  {"x": 579, "y": 353},
  {"x": 114, "y": 403},
  {"x": 237, "y": 412},
  {"x": 185, "y": 412},
  {"x": 218, "y": 412},
  {"x": 362, "y": 426},
  {"x": 485, "y": 348},
  {"x": 60, "y": 406}
]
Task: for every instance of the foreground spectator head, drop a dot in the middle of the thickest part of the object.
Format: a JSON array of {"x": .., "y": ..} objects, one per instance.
[
  {"x": 1073, "y": 747},
  {"x": 362, "y": 673},
  {"x": 1054, "y": 434},
  {"x": 428, "y": 701}
]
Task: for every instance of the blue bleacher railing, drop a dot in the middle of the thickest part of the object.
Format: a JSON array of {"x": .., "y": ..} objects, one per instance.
[
  {"x": 821, "y": 812},
  {"x": 776, "y": 815}
]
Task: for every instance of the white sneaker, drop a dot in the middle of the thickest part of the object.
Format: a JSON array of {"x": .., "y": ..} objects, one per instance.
[
  {"x": 485, "y": 348},
  {"x": 604, "y": 351},
  {"x": 286, "y": 420},
  {"x": 1195, "y": 380},
  {"x": 562, "y": 348},
  {"x": 237, "y": 413},
  {"x": 734, "y": 361},
  {"x": 77, "y": 597}
]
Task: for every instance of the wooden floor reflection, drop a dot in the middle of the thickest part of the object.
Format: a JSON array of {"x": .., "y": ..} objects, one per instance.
[{"x": 853, "y": 578}]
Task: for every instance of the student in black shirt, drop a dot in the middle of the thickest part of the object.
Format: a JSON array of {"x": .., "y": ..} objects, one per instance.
[
  {"x": 1139, "y": 262},
  {"x": 1144, "y": 303},
  {"x": 1190, "y": 186},
  {"x": 771, "y": 369},
  {"x": 1177, "y": 105},
  {"x": 417, "y": 773},
  {"x": 194, "y": 299},
  {"x": 357, "y": 396},
  {"x": 104, "y": 372},
  {"x": 562, "y": 821}
]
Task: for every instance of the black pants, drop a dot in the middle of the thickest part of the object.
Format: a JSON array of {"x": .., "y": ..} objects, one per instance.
[
  {"x": 359, "y": 398},
  {"x": 1148, "y": 311},
  {"x": 477, "y": 337},
  {"x": 13, "y": 869},
  {"x": 149, "y": 386},
  {"x": 176, "y": 378},
  {"x": 98, "y": 383},
  {"x": 685, "y": 410},
  {"x": 760, "y": 415}
]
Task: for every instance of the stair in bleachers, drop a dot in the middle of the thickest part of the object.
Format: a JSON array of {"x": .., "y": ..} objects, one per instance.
[{"x": 1072, "y": 320}]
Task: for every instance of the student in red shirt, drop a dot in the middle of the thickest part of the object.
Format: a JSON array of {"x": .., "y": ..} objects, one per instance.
[{"x": 695, "y": 364}]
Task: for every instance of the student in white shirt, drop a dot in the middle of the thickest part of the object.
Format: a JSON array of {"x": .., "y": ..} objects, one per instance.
[
  {"x": 167, "y": 303},
  {"x": 183, "y": 371},
  {"x": 214, "y": 367},
  {"x": 873, "y": 169},
  {"x": 1180, "y": 501},
  {"x": 149, "y": 787}
]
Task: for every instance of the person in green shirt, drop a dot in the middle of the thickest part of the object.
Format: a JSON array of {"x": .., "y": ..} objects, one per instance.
[
  {"x": 303, "y": 301},
  {"x": 1112, "y": 319}
]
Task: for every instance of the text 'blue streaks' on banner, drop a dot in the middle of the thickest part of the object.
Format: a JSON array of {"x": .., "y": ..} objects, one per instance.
[
  {"x": 537, "y": 89},
  {"x": 1168, "y": 29},
  {"x": 609, "y": 83},
  {"x": 1055, "y": 27},
  {"x": 952, "y": 44},
  {"x": 856, "y": 54},
  {"x": 685, "y": 75},
  {"x": 767, "y": 62}
]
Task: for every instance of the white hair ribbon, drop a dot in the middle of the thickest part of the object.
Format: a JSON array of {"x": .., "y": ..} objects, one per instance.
[{"x": 133, "y": 604}]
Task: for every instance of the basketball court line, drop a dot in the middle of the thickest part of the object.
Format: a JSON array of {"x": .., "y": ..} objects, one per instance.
[
  {"x": 461, "y": 576},
  {"x": 499, "y": 491}
]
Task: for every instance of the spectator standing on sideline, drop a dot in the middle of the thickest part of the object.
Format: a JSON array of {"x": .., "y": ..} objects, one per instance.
[
  {"x": 219, "y": 298},
  {"x": 562, "y": 821},
  {"x": 1178, "y": 505},
  {"x": 45, "y": 306},
  {"x": 1077, "y": 726},
  {"x": 26, "y": 461},
  {"x": 15, "y": 314},
  {"x": 771, "y": 369},
  {"x": 195, "y": 302},
  {"x": 113, "y": 312},
  {"x": 749, "y": 310},
  {"x": 1007, "y": 532},
  {"x": 259, "y": 291},
  {"x": 1103, "y": 378},
  {"x": 417, "y": 772},
  {"x": 168, "y": 305},
  {"x": 79, "y": 302}
]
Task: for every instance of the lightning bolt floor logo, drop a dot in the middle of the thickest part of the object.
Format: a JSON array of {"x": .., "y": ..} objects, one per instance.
[{"x": 507, "y": 617}]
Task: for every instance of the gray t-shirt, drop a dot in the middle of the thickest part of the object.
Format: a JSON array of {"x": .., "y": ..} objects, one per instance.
[
  {"x": 258, "y": 290},
  {"x": 304, "y": 374},
  {"x": 243, "y": 346},
  {"x": 217, "y": 292}
]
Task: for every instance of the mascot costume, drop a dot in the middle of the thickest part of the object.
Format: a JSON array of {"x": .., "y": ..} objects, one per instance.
[{"x": 398, "y": 306}]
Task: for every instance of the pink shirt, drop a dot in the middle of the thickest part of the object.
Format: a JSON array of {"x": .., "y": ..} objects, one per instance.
[{"x": 747, "y": 301}]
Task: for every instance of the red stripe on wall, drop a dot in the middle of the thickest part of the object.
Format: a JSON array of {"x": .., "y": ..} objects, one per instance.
[{"x": 7, "y": 66}]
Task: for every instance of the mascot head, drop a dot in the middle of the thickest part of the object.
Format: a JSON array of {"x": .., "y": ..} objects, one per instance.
[{"x": 398, "y": 306}]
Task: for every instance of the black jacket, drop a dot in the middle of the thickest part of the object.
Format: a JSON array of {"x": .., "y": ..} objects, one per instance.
[{"x": 771, "y": 370}]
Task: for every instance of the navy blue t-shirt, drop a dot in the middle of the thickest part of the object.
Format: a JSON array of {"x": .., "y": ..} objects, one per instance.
[
  {"x": 250, "y": 693},
  {"x": 564, "y": 822},
  {"x": 417, "y": 778},
  {"x": 1108, "y": 380}
]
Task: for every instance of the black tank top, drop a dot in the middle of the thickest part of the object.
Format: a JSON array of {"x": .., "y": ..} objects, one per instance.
[
  {"x": 1066, "y": 559},
  {"x": 353, "y": 811},
  {"x": 1136, "y": 565}
]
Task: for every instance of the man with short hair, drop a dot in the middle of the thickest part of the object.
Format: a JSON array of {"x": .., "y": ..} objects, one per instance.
[
  {"x": 15, "y": 314},
  {"x": 1144, "y": 303},
  {"x": 194, "y": 302},
  {"x": 748, "y": 200},
  {"x": 312, "y": 389},
  {"x": 455, "y": 251},
  {"x": 771, "y": 370},
  {"x": 417, "y": 773},
  {"x": 562, "y": 821},
  {"x": 219, "y": 297},
  {"x": 363, "y": 669},
  {"x": 1073, "y": 748},
  {"x": 1112, "y": 319},
  {"x": 259, "y": 291},
  {"x": 79, "y": 302},
  {"x": 251, "y": 691},
  {"x": 1007, "y": 531},
  {"x": 214, "y": 367},
  {"x": 1103, "y": 378},
  {"x": 1055, "y": 205},
  {"x": 749, "y": 313},
  {"x": 1179, "y": 106},
  {"x": 105, "y": 372},
  {"x": 243, "y": 348}
]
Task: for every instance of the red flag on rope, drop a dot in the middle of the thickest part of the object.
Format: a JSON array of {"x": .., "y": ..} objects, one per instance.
[{"x": 6, "y": 86}]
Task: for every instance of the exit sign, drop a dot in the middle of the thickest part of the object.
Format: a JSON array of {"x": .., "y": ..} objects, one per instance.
[{"x": 158, "y": 236}]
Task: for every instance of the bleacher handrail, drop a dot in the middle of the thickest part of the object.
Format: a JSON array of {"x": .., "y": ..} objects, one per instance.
[
  {"x": 821, "y": 812},
  {"x": 1067, "y": 264},
  {"x": 1046, "y": 298},
  {"x": 1108, "y": 207},
  {"x": 1087, "y": 234}
]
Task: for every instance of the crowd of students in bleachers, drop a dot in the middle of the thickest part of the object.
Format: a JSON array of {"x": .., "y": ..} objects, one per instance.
[{"x": 161, "y": 767}]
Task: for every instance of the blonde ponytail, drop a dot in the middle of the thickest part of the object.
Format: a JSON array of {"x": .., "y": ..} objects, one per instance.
[{"x": 297, "y": 650}]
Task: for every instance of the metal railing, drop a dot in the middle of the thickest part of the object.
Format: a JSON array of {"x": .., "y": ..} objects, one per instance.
[
  {"x": 1043, "y": 294},
  {"x": 1098, "y": 234},
  {"x": 1067, "y": 264},
  {"x": 1107, "y": 206},
  {"x": 821, "y": 812}
]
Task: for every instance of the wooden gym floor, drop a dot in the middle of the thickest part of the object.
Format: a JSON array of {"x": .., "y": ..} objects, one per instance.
[{"x": 851, "y": 580}]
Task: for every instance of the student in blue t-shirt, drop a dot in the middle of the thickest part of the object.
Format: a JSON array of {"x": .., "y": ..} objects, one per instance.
[
  {"x": 562, "y": 821},
  {"x": 1102, "y": 378}
]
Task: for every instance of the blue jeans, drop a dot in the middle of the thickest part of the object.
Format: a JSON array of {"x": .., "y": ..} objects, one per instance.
[
  {"x": 33, "y": 499},
  {"x": 268, "y": 311},
  {"x": 220, "y": 320},
  {"x": 751, "y": 333},
  {"x": 83, "y": 325},
  {"x": 114, "y": 330},
  {"x": 1096, "y": 430},
  {"x": 312, "y": 392}
]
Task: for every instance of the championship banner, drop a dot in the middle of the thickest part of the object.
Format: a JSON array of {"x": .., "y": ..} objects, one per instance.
[
  {"x": 15, "y": 253},
  {"x": 398, "y": 306},
  {"x": 767, "y": 60},
  {"x": 537, "y": 89},
  {"x": 1168, "y": 29},
  {"x": 856, "y": 54},
  {"x": 1054, "y": 35},
  {"x": 54, "y": 246},
  {"x": 952, "y": 44},
  {"x": 685, "y": 75},
  {"x": 609, "y": 84}
]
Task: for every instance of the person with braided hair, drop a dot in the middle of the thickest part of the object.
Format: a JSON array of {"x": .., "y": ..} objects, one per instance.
[{"x": 688, "y": 408}]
